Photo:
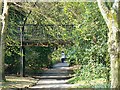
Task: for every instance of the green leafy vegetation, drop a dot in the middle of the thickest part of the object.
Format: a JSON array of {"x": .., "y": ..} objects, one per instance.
[
  {"x": 87, "y": 37},
  {"x": 96, "y": 83},
  {"x": 38, "y": 59}
]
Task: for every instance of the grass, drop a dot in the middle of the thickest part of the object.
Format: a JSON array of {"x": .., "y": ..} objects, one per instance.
[
  {"x": 96, "y": 83},
  {"x": 18, "y": 82}
]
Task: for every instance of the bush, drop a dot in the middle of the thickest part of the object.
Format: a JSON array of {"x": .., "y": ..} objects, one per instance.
[
  {"x": 91, "y": 71},
  {"x": 37, "y": 58}
]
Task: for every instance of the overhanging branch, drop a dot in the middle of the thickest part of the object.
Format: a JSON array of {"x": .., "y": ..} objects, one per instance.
[{"x": 104, "y": 10}]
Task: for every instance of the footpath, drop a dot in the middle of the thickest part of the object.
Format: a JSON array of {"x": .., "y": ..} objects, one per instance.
[{"x": 55, "y": 77}]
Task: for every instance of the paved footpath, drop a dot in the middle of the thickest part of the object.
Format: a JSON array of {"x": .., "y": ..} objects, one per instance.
[{"x": 55, "y": 77}]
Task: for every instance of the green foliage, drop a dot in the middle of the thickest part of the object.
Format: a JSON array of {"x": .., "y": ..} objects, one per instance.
[
  {"x": 96, "y": 83},
  {"x": 90, "y": 44},
  {"x": 56, "y": 55},
  {"x": 37, "y": 58},
  {"x": 106, "y": 85},
  {"x": 88, "y": 35},
  {"x": 12, "y": 50},
  {"x": 91, "y": 71}
]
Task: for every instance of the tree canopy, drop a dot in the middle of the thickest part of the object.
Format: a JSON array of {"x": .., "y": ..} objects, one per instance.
[{"x": 79, "y": 23}]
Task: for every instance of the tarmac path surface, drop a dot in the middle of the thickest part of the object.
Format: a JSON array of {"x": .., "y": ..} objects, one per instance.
[{"x": 55, "y": 77}]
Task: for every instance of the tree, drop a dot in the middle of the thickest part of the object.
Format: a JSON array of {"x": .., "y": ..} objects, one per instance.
[
  {"x": 2, "y": 37},
  {"x": 112, "y": 19}
]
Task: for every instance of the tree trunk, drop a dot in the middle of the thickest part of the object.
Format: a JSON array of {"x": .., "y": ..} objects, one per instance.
[
  {"x": 112, "y": 20},
  {"x": 1, "y": 56},
  {"x": 22, "y": 48},
  {"x": 22, "y": 61},
  {"x": 114, "y": 51},
  {"x": 2, "y": 37},
  {"x": 22, "y": 58}
]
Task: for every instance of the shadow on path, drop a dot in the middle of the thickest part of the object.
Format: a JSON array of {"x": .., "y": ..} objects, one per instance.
[{"x": 56, "y": 77}]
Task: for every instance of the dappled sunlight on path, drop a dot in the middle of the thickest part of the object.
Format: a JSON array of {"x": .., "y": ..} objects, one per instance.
[{"x": 56, "y": 77}]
